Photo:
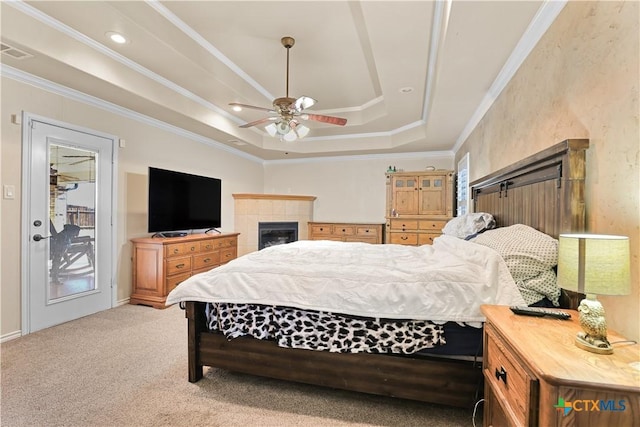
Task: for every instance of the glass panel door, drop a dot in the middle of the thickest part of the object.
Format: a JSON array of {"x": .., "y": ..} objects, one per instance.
[{"x": 72, "y": 210}]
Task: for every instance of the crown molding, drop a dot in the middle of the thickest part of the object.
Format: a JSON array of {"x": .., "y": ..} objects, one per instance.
[{"x": 40, "y": 83}]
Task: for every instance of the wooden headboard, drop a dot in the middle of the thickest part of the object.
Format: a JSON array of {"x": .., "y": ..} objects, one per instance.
[{"x": 544, "y": 191}]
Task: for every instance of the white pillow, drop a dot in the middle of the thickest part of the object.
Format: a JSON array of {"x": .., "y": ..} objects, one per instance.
[{"x": 467, "y": 225}]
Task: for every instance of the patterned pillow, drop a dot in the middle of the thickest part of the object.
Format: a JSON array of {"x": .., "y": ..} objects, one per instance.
[{"x": 530, "y": 256}]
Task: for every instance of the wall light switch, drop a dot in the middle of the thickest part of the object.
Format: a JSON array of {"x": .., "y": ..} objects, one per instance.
[
  {"x": 123, "y": 143},
  {"x": 9, "y": 191}
]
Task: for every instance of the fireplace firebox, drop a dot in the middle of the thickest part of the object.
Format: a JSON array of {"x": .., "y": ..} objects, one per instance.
[{"x": 276, "y": 233}]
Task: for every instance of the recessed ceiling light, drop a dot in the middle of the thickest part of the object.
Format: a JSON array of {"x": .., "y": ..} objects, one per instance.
[
  {"x": 117, "y": 37},
  {"x": 237, "y": 108},
  {"x": 406, "y": 89}
]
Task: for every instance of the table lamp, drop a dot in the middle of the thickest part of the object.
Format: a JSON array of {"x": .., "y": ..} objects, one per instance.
[{"x": 594, "y": 264}]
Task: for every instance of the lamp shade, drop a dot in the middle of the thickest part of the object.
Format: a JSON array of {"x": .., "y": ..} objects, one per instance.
[{"x": 594, "y": 264}]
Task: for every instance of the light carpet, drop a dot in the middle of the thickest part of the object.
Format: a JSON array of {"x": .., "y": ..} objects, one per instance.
[{"x": 128, "y": 367}]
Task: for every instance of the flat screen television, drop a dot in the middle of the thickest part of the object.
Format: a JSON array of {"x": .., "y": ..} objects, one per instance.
[{"x": 180, "y": 201}]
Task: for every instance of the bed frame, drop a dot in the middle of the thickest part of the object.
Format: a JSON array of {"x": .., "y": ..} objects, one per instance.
[{"x": 545, "y": 190}]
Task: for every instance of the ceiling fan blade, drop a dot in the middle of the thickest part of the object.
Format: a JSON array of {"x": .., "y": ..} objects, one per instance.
[
  {"x": 82, "y": 161},
  {"x": 259, "y": 122},
  {"x": 303, "y": 103},
  {"x": 235, "y": 104},
  {"x": 325, "y": 119}
]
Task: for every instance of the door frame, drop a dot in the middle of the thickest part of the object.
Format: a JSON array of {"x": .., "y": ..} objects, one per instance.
[{"x": 25, "y": 326}]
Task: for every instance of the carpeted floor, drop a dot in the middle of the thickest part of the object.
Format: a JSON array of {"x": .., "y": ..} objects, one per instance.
[{"x": 128, "y": 367}]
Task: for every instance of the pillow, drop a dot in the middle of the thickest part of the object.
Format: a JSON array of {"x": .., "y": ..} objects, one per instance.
[
  {"x": 530, "y": 256},
  {"x": 470, "y": 224}
]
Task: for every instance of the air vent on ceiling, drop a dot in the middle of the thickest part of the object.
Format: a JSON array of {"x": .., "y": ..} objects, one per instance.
[{"x": 14, "y": 52}]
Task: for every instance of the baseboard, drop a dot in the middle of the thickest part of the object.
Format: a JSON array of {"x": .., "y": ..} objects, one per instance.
[
  {"x": 10, "y": 336},
  {"x": 122, "y": 302}
]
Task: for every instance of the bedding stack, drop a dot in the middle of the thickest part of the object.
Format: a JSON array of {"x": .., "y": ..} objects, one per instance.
[{"x": 354, "y": 297}]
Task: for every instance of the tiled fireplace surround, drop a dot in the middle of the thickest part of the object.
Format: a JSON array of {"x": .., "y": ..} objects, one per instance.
[{"x": 250, "y": 209}]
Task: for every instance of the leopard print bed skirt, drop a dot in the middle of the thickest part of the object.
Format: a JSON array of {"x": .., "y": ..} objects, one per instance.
[{"x": 315, "y": 330}]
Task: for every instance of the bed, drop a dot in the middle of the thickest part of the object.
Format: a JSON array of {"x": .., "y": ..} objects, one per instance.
[{"x": 544, "y": 191}]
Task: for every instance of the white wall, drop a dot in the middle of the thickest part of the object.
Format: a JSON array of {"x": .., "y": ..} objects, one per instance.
[{"x": 347, "y": 190}]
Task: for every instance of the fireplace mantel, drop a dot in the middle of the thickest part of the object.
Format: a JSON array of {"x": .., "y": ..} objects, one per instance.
[
  {"x": 251, "y": 209},
  {"x": 272, "y": 196}
]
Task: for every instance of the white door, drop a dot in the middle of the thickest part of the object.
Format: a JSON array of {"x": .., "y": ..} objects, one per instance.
[{"x": 68, "y": 199}]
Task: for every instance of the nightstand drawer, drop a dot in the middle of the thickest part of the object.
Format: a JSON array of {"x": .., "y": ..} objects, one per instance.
[{"x": 510, "y": 381}]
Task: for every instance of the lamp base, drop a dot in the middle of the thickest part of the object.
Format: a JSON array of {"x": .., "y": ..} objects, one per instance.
[{"x": 593, "y": 345}]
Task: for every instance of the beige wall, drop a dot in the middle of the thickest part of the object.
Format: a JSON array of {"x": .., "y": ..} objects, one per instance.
[
  {"x": 146, "y": 146},
  {"x": 348, "y": 190},
  {"x": 580, "y": 81}
]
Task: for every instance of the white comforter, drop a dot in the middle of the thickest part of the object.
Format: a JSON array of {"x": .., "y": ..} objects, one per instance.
[{"x": 446, "y": 281}]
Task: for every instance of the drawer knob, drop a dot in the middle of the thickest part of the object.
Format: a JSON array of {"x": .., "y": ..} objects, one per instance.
[
  {"x": 501, "y": 374},
  {"x": 206, "y": 260},
  {"x": 179, "y": 265},
  {"x": 404, "y": 237},
  {"x": 175, "y": 251}
]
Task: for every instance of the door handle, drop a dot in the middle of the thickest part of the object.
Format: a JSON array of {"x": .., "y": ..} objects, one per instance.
[{"x": 38, "y": 237}]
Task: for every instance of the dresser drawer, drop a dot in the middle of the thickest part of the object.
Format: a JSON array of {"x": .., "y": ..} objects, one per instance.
[
  {"x": 178, "y": 265},
  {"x": 431, "y": 225},
  {"x": 209, "y": 260},
  {"x": 427, "y": 238},
  {"x": 228, "y": 242},
  {"x": 404, "y": 238},
  {"x": 366, "y": 232},
  {"x": 516, "y": 389},
  {"x": 207, "y": 246},
  {"x": 404, "y": 224},
  {"x": 321, "y": 229},
  {"x": 344, "y": 230},
  {"x": 178, "y": 249},
  {"x": 227, "y": 255},
  {"x": 174, "y": 281}
]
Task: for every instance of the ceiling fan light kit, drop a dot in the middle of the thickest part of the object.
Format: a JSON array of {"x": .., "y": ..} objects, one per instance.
[{"x": 288, "y": 112}]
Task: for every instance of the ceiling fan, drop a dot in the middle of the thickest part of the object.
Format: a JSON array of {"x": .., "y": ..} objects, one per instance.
[{"x": 289, "y": 112}]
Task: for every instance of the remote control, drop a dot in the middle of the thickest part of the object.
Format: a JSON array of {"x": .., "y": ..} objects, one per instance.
[{"x": 540, "y": 312}]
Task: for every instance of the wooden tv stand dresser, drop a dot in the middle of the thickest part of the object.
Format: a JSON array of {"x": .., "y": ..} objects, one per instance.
[
  {"x": 535, "y": 375},
  {"x": 160, "y": 264}
]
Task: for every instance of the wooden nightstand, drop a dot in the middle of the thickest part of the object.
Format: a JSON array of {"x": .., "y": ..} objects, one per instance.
[{"x": 531, "y": 366}]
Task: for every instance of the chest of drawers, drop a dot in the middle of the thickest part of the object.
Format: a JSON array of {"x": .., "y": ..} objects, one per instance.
[
  {"x": 346, "y": 232},
  {"x": 160, "y": 264}
]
